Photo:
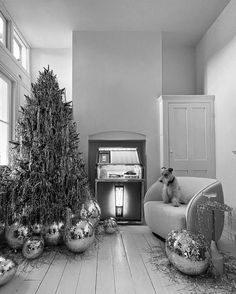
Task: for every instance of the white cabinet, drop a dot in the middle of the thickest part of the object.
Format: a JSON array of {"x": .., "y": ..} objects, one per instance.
[{"x": 187, "y": 134}]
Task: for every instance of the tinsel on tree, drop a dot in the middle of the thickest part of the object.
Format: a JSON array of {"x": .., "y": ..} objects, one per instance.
[{"x": 47, "y": 171}]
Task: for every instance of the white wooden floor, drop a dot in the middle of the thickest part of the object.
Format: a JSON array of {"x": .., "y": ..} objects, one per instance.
[{"x": 119, "y": 264}]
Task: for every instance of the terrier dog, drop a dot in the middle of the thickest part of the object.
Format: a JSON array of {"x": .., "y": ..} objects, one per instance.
[{"x": 171, "y": 189}]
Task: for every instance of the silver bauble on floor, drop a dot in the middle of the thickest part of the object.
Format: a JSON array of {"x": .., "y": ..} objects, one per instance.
[
  {"x": 8, "y": 269},
  {"x": 79, "y": 236},
  {"x": 38, "y": 228},
  {"x": 110, "y": 225},
  {"x": 188, "y": 252},
  {"x": 53, "y": 233},
  {"x": 33, "y": 247},
  {"x": 16, "y": 234},
  {"x": 93, "y": 211}
]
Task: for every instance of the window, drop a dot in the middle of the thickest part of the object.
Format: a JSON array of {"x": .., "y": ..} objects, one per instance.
[
  {"x": 13, "y": 40},
  {"x": 3, "y": 27},
  {"x": 19, "y": 49},
  {"x": 5, "y": 103}
]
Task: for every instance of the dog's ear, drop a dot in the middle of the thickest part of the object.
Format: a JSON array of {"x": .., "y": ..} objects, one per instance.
[
  {"x": 163, "y": 167},
  {"x": 170, "y": 169}
]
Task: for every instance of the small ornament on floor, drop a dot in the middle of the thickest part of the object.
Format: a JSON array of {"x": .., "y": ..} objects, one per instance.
[
  {"x": 38, "y": 228},
  {"x": 79, "y": 236},
  {"x": 54, "y": 233},
  {"x": 93, "y": 211},
  {"x": 33, "y": 247},
  {"x": 16, "y": 234},
  {"x": 8, "y": 269},
  {"x": 110, "y": 225}
]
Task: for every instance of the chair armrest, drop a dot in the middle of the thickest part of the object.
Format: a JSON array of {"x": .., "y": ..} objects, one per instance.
[
  {"x": 192, "y": 218},
  {"x": 154, "y": 193}
]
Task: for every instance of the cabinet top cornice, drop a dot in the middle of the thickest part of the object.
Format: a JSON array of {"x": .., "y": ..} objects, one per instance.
[{"x": 186, "y": 97}]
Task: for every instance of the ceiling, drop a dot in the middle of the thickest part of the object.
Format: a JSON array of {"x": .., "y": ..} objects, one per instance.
[{"x": 49, "y": 23}]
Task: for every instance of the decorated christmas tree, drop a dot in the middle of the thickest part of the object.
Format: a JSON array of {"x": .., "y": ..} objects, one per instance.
[{"x": 47, "y": 171}]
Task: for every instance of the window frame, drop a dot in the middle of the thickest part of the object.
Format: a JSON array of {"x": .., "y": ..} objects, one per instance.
[
  {"x": 10, "y": 28},
  {"x": 4, "y": 42},
  {"x": 17, "y": 37},
  {"x": 10, "y": 109}
]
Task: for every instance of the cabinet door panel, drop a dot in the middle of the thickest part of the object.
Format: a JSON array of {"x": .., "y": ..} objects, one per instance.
[
  {"x": 190, "y": 135},
  {"x": 198, "y": 130},
  {"x": 179, "y": 116}
]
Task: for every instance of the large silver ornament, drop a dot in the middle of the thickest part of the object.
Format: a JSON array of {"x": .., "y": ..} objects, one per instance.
[
  {"x": 93, "y": 211},
  {"x": 8, "y": 269},
  {"x": 54, "y": 233},
  {"x": 16, "y": 234},
  {"x": 110, "y": 225},
  {"x": 80, "y": 236},
  {"x": 37, "y": 228},
  {"x": 33, "y": 247},
  {"x": 188, "y": 252}
]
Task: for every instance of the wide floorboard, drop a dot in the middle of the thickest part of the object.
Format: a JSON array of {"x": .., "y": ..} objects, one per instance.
[{"x": 116, "y": 264}]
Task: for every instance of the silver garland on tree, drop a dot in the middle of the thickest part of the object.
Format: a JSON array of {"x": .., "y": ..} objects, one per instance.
[{"x": 47, "y": 171}]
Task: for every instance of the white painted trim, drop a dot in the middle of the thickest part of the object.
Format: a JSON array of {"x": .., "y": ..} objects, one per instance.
[{"x": 117, "y": 135}]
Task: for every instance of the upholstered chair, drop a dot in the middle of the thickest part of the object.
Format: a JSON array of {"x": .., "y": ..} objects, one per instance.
[{"x": 163, "y": 218}]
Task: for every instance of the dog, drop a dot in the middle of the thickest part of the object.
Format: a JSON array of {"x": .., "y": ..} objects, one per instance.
[{"x": 171, "y": 190}]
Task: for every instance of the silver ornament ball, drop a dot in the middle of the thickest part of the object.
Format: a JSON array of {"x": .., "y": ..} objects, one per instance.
[
  {"x": 110, "y": 225},
  {"x": 37, "y": 228},
  {"x": 188, "y": 252},
  {"x": 53, "y": 234},
  {"x": 93, "y": 211},
  {"x": 80, "y": 236},
  {"x": 16, "y": 234},
  {"x": 33, "y": 247},
  {"x": 8, "y": 269}
]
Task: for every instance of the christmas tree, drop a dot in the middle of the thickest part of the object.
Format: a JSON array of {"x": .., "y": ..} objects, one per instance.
[{"x": 47, "y": 171}]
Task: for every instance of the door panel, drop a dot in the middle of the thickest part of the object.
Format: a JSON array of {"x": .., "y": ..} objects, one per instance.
[
  {"x": 179, "y": 116},
  {"x": 198, "y": 117},
  {"x": 190, "y": 136}
]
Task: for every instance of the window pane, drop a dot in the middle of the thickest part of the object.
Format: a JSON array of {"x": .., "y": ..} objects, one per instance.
[
  {"x": 4, "y": 100},
  {"x": 19, "y": 49},
  {"x": 16, "y": 50},
  {"x": 24, "y": 57},
  {"x": 2, "y": 29},
  {"x": 4, "y": 131}
]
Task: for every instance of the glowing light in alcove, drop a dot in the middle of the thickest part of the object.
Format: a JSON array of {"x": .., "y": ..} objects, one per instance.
[{"x": 119, "y": 200}]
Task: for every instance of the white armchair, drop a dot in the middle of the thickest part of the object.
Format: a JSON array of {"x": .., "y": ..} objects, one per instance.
[{"x": 163, "y": 218}]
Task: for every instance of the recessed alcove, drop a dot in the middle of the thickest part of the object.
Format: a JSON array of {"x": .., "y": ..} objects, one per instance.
[{"x": 136, "y": 190}]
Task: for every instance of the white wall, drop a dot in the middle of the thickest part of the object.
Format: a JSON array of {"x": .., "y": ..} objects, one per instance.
[
  {"x": 178, "y": 65},
  {"x": 116, "y": 80},
  {"x": 59, "y": 60},
  {"x": 216, "y": 75}
]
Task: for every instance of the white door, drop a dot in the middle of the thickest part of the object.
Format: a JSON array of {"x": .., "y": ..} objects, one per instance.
[{"x": 191, "y": 139}]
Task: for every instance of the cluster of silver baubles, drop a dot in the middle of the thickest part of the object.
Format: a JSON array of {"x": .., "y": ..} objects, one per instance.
[{"x": 77, "y": 236}]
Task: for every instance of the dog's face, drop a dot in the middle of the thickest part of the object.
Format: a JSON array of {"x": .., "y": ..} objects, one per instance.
[{"x": 166, "y": 175}]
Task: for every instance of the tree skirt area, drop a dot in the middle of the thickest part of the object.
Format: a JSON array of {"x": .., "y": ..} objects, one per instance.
[{"x": 205, "y": 283}]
